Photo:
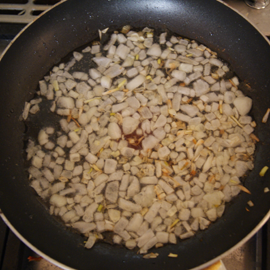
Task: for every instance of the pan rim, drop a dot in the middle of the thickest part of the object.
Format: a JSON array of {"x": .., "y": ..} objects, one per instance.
[
  {"x": 27, "y": 243},
  {"x": 202, "y": 266},
  {"x": 251, "y": 233},
  {"x": 239, "y": 244},
  {"x": 245, "y": 18},
  {"x": 28, "y": 25}
]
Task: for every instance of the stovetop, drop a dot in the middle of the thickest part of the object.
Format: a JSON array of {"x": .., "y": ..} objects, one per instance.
[{"x": 15, "y": 255}]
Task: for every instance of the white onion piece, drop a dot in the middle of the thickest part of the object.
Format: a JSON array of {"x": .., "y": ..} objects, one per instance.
[
  {"x": 114, "y": 131},
  {"x": 243, "y": 105},
  {"x": 129, "y": 125},
  {"x": 91, "y": 241},
  {"x": 122, "y": 51},
  {"x": 179, "y": 75},
  {"x": 58, "y": 200},
  {"x": 43, "y": 137},
  {"x": 102, "y": 61},
  {"x": 106, "y": 82},
  {"x": 154, "y": 50},
  {"x": 135, "y": 83},
  {"x": 129, "y": 206},
  {"x": 65, "y": 102}
]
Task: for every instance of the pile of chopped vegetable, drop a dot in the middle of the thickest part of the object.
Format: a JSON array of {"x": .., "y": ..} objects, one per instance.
[{"x": 155, "y": 137}]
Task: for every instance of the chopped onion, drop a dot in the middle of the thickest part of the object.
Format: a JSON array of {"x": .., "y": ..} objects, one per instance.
[
  {"x": 152, "y": 143},
  {"x": 263, "y": 171},
  {"x": 265, "y": 117},
  {"x": 250, "y": 203}
]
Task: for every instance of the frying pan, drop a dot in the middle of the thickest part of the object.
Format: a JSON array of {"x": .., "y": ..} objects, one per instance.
[{"x": 75, "y": 23}]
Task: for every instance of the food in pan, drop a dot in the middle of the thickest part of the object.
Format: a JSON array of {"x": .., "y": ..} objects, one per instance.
[{"x": 153, "y": 140}]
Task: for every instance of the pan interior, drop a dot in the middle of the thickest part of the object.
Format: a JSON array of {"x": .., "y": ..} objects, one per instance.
[{"x": 71, "y": 25}]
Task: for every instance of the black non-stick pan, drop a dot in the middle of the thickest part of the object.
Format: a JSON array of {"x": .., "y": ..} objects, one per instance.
[{"x": 74, "y": 23}]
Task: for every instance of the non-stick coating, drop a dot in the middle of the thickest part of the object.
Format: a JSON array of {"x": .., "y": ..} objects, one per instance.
[{"x": 74, "y": 23}]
